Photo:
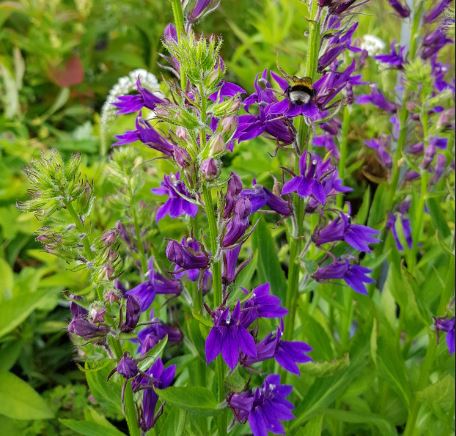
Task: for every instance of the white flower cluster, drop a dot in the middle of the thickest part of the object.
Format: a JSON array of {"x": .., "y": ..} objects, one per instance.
[{"x": 372, "y": 44}]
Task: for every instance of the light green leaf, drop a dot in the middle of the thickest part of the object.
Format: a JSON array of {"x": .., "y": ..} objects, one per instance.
[
  {"x": 196, "y": 399},
  {"x": 18, "y": 400},
  {"x": 15, "y": 311},
  {"x": 7, "y": 280},
  {"x": 88, "y": 428}
]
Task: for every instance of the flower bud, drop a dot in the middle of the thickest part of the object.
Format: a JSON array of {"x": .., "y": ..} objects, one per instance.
[
  {"x": 127, "y": 367},
  {"x": 210, "y": 168},
  {"x": 217, "y": 144},
  {"x": 182, "y": 157},
  {"x": 229, "y": 125},
  {"x": 111, "y": 297},
  {"x": 132, "y": 314},
  {"x": 97, "y": 313}
]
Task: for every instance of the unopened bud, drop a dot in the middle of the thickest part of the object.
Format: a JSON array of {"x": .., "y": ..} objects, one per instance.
[
  {"x": 181, "y": 157},
  {"x": 210, "y": 169},
  {"x": 217, "y": 144},
  {"x": 229, "y": 125}
]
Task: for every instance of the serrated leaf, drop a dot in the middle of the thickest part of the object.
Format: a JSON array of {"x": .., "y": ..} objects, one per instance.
[{"x": 18, "y": 400}]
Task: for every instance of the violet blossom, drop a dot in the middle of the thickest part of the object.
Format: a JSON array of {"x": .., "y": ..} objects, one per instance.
[
  {"x": 447, "y": 325},
  {"x": 396, "y": 57}
]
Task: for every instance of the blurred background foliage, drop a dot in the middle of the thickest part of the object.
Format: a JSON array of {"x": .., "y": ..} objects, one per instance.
[{"x": 58, "y": 61}]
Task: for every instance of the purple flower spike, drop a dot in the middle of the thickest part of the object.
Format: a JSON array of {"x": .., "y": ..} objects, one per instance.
[
  {"x": 127, "y": 104},
  {"x": 187, "y": 255},
  {"x": 436, "y": 11},
  {"x": 354, "y": 275},
  {"x": 179, "y": 197},
  {"x": 127, "y": 366},
  {"x": 395, "y": 59},
  {"x": 264, "y": 407},
  {"x": 155, "y": 284},
  {"x": 229, "y": 337},
  {"x": 447, "y": 325},
  {"x": 401, "y": 9},
  {"x": 157, "y": 376},
  {"x": 341, "y": 229},
  {"x": 377, "y": 99}
]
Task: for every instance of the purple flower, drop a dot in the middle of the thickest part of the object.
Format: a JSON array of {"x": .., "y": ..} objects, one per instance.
[
  {"x": 446, "y": 325},
  {"x": 264, "y": 407},
  {"x": 127, "y": 104},
  {"x": 354, "y": 275},
  {"x": 201, "y": 8},
  {"x": 132, "y": 314},
  {"x": 433, "y": 43},
  {"x": 147, "y": 135},
  {"x": 406, "y": 228},
  {"x": 439, "y": 71},
  {"x": 227, "y": 90},
  {"x": 327, "y": 141},
  {"x": 178, "y": 198},
  {"x": 382, "y": 147},
  {"x": 229, "y": 337},
  {"x": 377, "y": 99},
  {"x": 155, "y": 284},
  {"x": 81, "y": 326},
  {"x": 396, "y": 58},
  {"x": 260, "y": 197},
  {"x": 187, "y": 255},
  {"x": 318, "y": 179},
  {"x": 127, "y": 366},
  {"x": 157, "y": 376},
  {"x": 401, "y": 9},
  {"x": 229, "y": 270},
  {"x": 262, "y": 304},
  {"x": 238, "y": 223},
  {"x": 341, "y": 229},
  {"x": 151, "y": 335},
  {"x": 286, "y": 353},
  {"x": 170, "y": 33},
  {"x": 436, "y": 11}
]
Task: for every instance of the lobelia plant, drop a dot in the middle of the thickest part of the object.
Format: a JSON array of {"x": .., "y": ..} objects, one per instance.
[{"x": 174, "y": 329}]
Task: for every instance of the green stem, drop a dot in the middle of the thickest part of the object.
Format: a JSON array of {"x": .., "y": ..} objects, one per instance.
[
  {"x": 343, "y": 148},
  {"x": 139, "y": 241},
  {"x": 81, "y": 228}
]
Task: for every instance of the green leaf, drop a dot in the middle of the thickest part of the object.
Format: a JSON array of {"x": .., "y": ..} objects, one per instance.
[
  {"x": 268, "y": 267},
  {"x": 324, "y": 369},
  {"x": 88, "y": 428},
  {"x": 439, "y": 395},
  {"x": 7, "y": 280},
  {"x": 108, "y": 394},
  {"x": 9, "y": 352},
  {"x": 18, "y": 400},
  {"x": 152, "y": 354},
  {"x": 196, "y": 399},
  {"x": 385, "y": 428},
  {"x": 15, "y": 311},
  {"x": 130, "y": 411}
]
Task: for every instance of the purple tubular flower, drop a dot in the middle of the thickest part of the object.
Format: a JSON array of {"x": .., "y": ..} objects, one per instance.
[
  {"x": 436, "y": 11},
  {"x": 354, "y": 275},
  {"x": 327, "y": 141},
  {"x": 188, "y": 254},
  {"x": 170, "y": 33},
  {"x": 286, "y": 353},
  {"x": 262, "y": 304},
  {"x": 127, "y": 104},
  {"x": 230, "y": 258},
  {"x": 81, "y": 326},
  {"x": 151, "y": 335},
  {"x": 406, "y": 228},
  {"x": 127, "y": 366},
  {"x": 260, "y": 197},
  {"x": 233, "y": 190},
  {"x": 318, "y": 179},
  {"x": 396, "y": 58},
  {"x": 229, "y": 337},
  {"x": 433, "y": 43},
  {"x": 265, "y": 407},
  {"x": 155, "y": 284},
  {"x": 402, "y": 10},
  {"x": 227, "y": 90},
  {"x": 381, "y": 146},
  {"x": 446, "y": 325},
  {"x": 341, "y": 229},
  {"x": 238, "y": 223},
  {"x": 178, "y": 198},
  {"x": 202, "y": 7},
  {"x": 132, "y": 314},
  {"x": 377, "y": 99},
  {"x": 147, "y": 135},
  {"x": 157, "y": 376}
]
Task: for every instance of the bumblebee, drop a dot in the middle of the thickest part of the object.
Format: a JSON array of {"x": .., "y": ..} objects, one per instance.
[{"x": 300, "y": 90}]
